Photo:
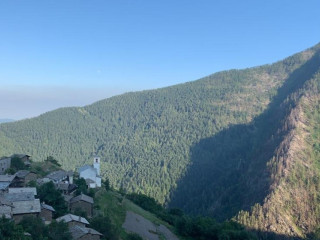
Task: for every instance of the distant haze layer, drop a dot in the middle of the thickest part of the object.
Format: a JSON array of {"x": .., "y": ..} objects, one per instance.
[{"x": 25, "y": 102}]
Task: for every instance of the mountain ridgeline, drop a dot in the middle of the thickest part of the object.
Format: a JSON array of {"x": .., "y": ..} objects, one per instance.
[
  {"x": 4, "y": 120},
  {"x": 240, "y": 144}
]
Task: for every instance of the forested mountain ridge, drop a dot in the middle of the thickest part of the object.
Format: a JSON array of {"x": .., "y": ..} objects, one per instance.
[
  {"x": 207, "y": 146},
  {"x": 293, "y": 205}
]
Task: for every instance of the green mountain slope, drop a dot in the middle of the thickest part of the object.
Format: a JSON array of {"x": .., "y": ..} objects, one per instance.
[
  {"x": 208, "y": 146},
  {"x": 234, "y": 161},
  {"x": 266, "y": 169}
]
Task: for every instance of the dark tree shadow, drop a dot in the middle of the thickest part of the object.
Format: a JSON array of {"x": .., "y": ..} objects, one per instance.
[
  {"x": 274, "y": 236},
  {"x": 228, "y": 171}
]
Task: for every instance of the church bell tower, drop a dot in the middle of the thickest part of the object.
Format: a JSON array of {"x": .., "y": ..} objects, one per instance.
[{"x": 96, "y": 164}]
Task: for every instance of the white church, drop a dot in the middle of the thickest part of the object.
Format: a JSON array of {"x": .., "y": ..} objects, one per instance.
[{"x": 91, "y": 173}]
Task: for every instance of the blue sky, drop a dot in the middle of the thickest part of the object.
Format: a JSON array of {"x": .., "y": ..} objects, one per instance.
[{"x": 56, "y": 53}]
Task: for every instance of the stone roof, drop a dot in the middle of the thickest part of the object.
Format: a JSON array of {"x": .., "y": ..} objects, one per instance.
[
  {"x": 7, "y": 178},
  {"x": 82, "y": 197},
  {"x": 70, "y": 217},
  {"x": 62, "y": 186},
  {"x": 67, "y": 198},
  {"x": 66, "y": 186},
  {"x": 21, "y": 203},
  {"x": 57, "y": 175},
  {"x": 22, "y": 173},
  {"x": 41, "y": 181},
  {"x": 4, "y": 185},
  {"x": 48, "y": 207},
  {"x": 19, "y": 197},
  {"x": 24, "y": 190},
  {"x": 78, "y": 232},
  {"x": 4, "y": 201},
  {"x": 85, "y": 167},
  {"x": 22, "y": 207}
]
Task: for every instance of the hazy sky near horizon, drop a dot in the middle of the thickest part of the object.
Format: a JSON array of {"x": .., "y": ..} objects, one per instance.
[{"x": 57, "y": 53}]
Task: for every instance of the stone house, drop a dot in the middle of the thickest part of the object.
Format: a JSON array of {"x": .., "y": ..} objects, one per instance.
[
  {"x": 66, "y": 188},
  {"x": 24, "y": 204},
  {"x": 24, "y": 158},
  {"x": 8, "y": 181},
  {"x": 46, "y": 213},
  {"x": 25, "y": 176},
  {"x": 25, "y": 208},
  {"x": 91, "y": 173},
  {"x": 83, "y": 233},
  {"x": 82, "y": 202},
  {"x": 5, "y": 163},
  {"x": 59, "y": 177},
  {"x": 73, "y": 220}
]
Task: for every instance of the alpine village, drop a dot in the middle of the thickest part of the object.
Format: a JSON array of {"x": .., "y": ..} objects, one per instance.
[{"x": 234, "y": 155}]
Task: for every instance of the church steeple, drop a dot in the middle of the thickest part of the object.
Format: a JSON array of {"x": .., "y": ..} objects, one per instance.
[{"x": 96, "y": 164}]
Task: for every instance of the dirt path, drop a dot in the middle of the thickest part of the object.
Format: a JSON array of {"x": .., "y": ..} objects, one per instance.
[{"x": 146, "y": 229}]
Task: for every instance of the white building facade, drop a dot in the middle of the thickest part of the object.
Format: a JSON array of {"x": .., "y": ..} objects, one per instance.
[{"x": 91, "y": 173}]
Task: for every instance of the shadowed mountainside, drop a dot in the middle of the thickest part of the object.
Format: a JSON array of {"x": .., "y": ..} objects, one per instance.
[{"x": 231, "y": 168}]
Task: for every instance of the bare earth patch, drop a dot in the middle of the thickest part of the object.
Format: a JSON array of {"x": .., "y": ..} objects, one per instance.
[{"x": 147, "y": 230}]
